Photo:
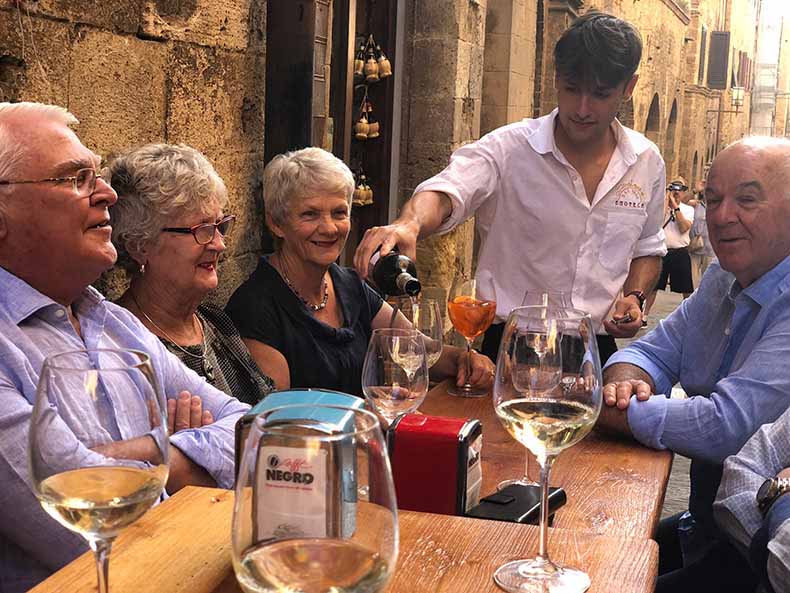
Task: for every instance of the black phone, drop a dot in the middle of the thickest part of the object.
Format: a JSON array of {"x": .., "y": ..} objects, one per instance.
[{"x": 518, "y": 503}]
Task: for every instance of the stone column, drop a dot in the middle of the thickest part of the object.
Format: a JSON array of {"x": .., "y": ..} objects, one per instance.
[
  {"x": 509, "y": 67},
  {"x": 557, "y": 16},
  {"x": 441, "y": 111}
]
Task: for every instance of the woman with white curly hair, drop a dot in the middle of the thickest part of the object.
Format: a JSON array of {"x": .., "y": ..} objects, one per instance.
[{"x": 169, "y": 227}]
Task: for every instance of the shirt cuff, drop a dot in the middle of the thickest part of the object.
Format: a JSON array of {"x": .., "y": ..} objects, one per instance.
[
  {"x": 458, "y": 214},
  {"x": 646, "y": 420},
  {"x": 652, "y": 245},
  {"x": 208, "y": 451}
]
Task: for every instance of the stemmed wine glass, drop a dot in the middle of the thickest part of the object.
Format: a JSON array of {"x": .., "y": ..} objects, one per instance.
[
  {"x": 395, "y": 371},
  {"x": 80, "y": 459},
  {"x": 548, "y": 299},
  {"x": 547, "y": 394},
  {"x": 315, "y": 503},
  {"x": 425, "y": 316},
  {"x": 471, "y": 315}
]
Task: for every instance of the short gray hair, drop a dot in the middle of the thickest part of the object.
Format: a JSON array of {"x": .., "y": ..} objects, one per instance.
[
  {"x": 300, "y": 174},
  {"x": 155, "y": 182},
  {"x": 13, "y": 149}
]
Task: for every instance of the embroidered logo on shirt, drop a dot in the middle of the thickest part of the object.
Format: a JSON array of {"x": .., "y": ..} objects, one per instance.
[{"x": 631, "y": 196}]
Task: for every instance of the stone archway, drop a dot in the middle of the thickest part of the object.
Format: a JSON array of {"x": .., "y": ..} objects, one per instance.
[
  {"x": 670, "y": 138},
  {"x": 652, "y": 125},
  {"x": 696, "y": 174}
]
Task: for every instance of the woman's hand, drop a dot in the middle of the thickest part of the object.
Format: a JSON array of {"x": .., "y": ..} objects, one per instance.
[{"x": 482, "y": 375}]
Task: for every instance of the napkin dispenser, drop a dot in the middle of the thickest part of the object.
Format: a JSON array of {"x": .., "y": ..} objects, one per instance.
[
  {"x": 299, "y": 489},
  {"x": 436, "y": 463}
]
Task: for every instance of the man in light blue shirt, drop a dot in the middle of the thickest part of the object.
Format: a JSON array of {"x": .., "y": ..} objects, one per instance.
[
  {"x": 728, "y": 346},
  {"x": 55, "y": 241}
]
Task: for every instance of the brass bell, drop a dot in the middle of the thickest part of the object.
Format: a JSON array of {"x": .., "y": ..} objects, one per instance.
[
  {"x": 361, "y": 128},
  {"x": 373, "y": 127},
  {"x": 385, "y": 68},
  {"x": 359, "y": 194},
  {"x": 359, "y": 62},
  {"x": 371, "y": 68}
]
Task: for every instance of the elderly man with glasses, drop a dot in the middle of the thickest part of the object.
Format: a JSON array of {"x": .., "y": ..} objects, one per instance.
[{"x": 55, "y": 241}]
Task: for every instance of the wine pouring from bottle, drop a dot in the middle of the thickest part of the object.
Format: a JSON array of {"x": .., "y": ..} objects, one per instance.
[{"x": 394, "y": 274}]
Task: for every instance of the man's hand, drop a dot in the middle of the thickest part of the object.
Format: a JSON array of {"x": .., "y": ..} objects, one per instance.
[
  {"x": 401, "y": 233},
  {"x": 619, "y": 393},
  {"x": 482, "y": 376},
  {"x": 672, "y": 201},
  {"x": 186, "y": 411},
  {"x": 626, "y": 319}
]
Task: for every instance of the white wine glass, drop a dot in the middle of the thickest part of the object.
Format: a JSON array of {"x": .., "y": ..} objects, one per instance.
[
  {"x": 549, "y": 299},
  {"x": 471, "y": 314},
  {"x": 90, "y": 406},
  {"x": 425, "y": 315},
  {"x": 547, "y": 394},
  {"x": 395, "y": 371},
  {"x": 315, "y": 508}
]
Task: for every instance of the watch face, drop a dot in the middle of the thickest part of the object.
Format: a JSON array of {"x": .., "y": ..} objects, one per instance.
[{"x": 765, "y": 493}]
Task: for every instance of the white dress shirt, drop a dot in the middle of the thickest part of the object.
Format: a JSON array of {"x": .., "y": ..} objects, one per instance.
[
  {"x": 676, "y": 239},
  {"x": 537, "y": 228}
]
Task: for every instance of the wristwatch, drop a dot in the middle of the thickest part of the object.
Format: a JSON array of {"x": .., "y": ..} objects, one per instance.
[
  {"x": 640, "y": 296},
  {"x": 675, "y": 209},
  {"x": 771, "y": 490}
]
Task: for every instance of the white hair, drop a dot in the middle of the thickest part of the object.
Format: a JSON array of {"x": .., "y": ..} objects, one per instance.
[
  {"x": 156, "y": 182},
  {"x": 13, "y": 149},
  {"x": 295, "y": 175}
]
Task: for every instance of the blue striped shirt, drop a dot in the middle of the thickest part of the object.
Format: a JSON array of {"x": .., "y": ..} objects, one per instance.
[
  {"x": 32, "y": 327},
  {"x": 729, "y": 348}
]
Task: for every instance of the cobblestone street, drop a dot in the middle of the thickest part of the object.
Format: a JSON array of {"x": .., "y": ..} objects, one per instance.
[{"x": 676, "y": 499}]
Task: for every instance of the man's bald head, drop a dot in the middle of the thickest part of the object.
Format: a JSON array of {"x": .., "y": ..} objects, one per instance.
[{"x": 748, "y": 206}]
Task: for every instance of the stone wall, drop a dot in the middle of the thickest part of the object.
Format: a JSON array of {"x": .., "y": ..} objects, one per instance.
[
  {"x": 137, "y": 71},
  {"x": 509, "y": 67},
  {"x": 783, "y": 83},
  {"x": 443, "y": 66}
]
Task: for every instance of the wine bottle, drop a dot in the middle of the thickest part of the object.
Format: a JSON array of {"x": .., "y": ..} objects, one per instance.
[{"x": 394, "y": 274}]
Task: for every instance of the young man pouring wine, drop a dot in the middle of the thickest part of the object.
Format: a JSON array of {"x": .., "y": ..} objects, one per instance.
[{"x": 572, "y": 201}]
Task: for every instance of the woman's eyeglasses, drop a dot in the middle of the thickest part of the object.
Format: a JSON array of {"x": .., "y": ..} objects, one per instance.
[{"x": 204, "y": 232}]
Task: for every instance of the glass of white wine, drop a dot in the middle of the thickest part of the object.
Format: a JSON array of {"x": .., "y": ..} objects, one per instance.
[
  {"x": 98, "y": 444},
  {"x": 395, "y": 371},
  {"x": 547, "y": 394},
  {"x": 315, "y": 507},
  {"x": 549, "y": 299},
  {"x": 425, "y": 315}
]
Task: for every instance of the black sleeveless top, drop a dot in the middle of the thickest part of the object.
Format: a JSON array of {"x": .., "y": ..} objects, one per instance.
[{"x": 263, "y": 308}]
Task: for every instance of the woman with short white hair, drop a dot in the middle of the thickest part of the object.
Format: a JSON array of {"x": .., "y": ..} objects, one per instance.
[
  {"x": 169, "y": 227},
  {"x": 306, "y": 320}
]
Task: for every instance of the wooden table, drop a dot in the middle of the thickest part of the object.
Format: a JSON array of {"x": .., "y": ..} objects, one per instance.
[
  {"x": 614, "y": 486},
  {"x": 183, "y": 546}
]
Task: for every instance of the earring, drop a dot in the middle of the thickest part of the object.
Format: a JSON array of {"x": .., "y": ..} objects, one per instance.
[{"x": 142, "y": 269}]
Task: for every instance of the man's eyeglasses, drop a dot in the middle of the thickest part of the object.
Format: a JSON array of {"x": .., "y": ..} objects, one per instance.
[
  {"x": 204, "y": 232},
  {"x": 83, "y": 181}
]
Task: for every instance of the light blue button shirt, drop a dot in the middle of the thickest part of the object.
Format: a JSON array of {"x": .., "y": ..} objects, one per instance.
[
  {"x": 32, "y": 327},
  {"x": 729, "y": 348}
]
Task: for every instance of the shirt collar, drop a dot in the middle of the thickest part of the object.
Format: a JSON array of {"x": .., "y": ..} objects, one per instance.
[
  {"x": 19, "y": 300},
  {"x": 767, "y": 287},
  {"x": 630, "y": 143}
]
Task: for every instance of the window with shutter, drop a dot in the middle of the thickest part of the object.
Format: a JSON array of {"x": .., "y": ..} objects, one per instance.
[{"x": 719, "y": 59}]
